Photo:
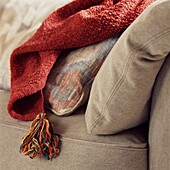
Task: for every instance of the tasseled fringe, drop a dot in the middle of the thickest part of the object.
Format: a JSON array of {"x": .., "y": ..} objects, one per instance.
[{"x": 40, "y": 139}]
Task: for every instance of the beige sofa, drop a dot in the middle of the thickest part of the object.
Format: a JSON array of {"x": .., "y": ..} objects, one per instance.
[{"x": 142, "y": 147}]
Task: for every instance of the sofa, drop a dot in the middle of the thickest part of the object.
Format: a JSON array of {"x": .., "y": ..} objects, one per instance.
[{"x": 139, "y": 145}]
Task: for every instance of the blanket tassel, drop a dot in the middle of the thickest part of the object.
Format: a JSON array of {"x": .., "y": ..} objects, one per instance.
[{"x": 40, "y": 140}]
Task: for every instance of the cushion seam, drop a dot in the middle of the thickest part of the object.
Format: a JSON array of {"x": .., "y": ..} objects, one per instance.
[
  {"x": 14, "y": 125},
  {"x": 63, "y": 138},
  {"x": 117, "y": 145},
  {"x": 123, "y": 76}
]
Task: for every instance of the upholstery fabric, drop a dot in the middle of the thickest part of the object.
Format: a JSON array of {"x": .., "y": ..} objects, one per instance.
[
  {"x": 120, "y": 95},
  {"x": 96, "y": 152},
  {"x": 69, "y": 82},
  {"x": 77, "y": 24},
  {"x": 19, "y": 20},
  {"x": 159, "y": 131},
  {"x": 79, "y": 150}
]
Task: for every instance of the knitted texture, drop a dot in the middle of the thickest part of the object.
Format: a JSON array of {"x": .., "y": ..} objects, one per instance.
[{"x": 79, "y": 23}]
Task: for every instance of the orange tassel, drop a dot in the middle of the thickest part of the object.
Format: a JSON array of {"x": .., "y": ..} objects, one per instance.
[{"x": 40, "y": 139}]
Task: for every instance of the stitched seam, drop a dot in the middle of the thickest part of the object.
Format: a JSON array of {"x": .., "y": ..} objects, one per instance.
[
  {"x": 81, "y": 141},
  {"x": 123, "y": 76},
  {"x": 14, "y": 126},
  {"x": 117, "y": 145}
]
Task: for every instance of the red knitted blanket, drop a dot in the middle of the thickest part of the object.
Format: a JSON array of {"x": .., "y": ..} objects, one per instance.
[{"x": 79, "y": 23}]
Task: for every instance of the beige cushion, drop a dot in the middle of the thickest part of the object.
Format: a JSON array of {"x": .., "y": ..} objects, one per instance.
[
  {"x": 120, "y": 95},
  {"x": 79, "y": 150},
  {"x": 159, "y": 133},
  {"x": 69, "y": 82},
  {"x": 19, "y": 19}
]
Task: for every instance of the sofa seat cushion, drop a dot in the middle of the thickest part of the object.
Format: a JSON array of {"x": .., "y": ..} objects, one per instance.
[{"x": 79, "y": 150}]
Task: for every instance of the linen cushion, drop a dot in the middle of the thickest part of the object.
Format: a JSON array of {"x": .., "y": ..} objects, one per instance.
[
  {"x": 78, "y": 150},
  {"x": 19, "y": 20},
  {"x": 69, "y": 82},
  {"x": 159, "y": 135},
  {"x": 120, "y": 95}
]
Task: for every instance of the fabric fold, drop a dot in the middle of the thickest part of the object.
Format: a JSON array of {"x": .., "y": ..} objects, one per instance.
[{"x": 77, "y": 24}]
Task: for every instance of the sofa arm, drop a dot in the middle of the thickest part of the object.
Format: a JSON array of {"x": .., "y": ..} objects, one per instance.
[{"x": 159, "y": 130}]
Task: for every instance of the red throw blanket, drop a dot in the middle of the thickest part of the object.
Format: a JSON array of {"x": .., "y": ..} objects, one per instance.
[{"x": 79, "y": 23}]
